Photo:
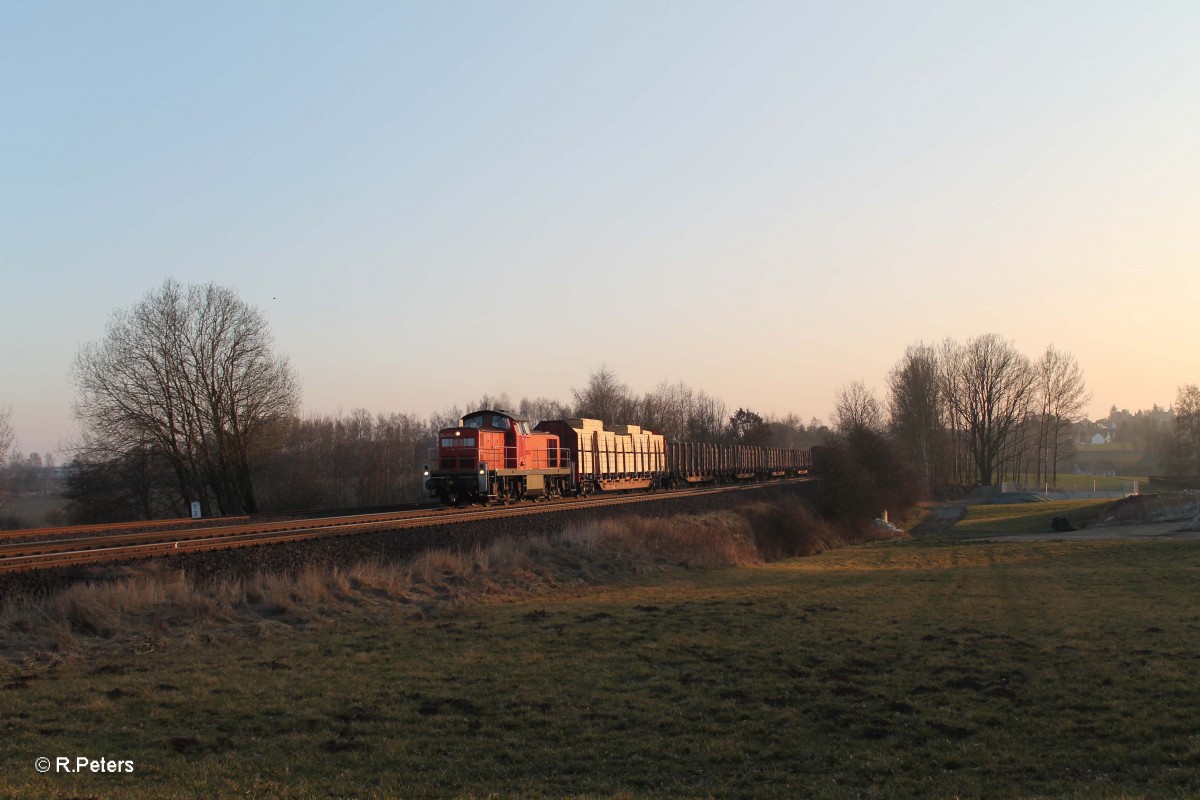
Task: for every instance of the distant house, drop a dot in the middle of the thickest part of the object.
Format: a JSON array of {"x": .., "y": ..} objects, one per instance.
[{"x": 1105, "y": 433}]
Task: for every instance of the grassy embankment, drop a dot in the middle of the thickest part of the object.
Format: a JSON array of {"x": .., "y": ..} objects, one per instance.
[
  {"x": 897, "y": 669},
  {"x": 1015, "y": 518}
]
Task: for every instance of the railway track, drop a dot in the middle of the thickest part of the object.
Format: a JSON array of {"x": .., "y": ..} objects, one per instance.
[
  {"x": 97, "y": 544},
  {"x": 80, "y": 531}
]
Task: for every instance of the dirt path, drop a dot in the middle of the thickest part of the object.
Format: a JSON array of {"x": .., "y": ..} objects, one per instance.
[{"x": 941, "y": 518}]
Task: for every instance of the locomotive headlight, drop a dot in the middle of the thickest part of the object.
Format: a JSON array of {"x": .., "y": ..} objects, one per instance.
[
  {"x": 426, "y": 472},
  {"x": 482, "y": 471}
]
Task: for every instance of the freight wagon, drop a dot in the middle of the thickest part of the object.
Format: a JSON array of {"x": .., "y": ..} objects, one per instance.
[{"x": 493, "y": 455}]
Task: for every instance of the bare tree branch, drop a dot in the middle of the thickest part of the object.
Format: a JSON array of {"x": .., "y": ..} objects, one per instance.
[
  {"x": 917, "y": 410},
  {"x": 7, "y": 439},
  {"x": 189, "y": 374},
  {"x": 988, "y": 387},
  {"x": 856, "y": 408}
]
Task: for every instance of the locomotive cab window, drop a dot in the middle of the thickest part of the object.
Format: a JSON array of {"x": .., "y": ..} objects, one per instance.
[
  {"x": 501, "y": 422},
  {"x": 473, "y": 422},
  {"x": 465, "y": 441}
]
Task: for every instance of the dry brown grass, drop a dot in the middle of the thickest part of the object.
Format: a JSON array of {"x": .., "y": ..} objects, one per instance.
[
  {"x": 149, "y": 611},
  {"x": 639, "y": 544}
]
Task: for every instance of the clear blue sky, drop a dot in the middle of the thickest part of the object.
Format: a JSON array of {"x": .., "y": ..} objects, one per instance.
[{"x": 765, "y": 200}]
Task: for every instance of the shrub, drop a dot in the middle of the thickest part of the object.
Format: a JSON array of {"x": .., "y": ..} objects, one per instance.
[{"x": 862, "y": 475}]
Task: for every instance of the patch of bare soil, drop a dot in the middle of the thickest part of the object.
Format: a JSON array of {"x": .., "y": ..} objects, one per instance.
[{"x": 940, "y": 518}]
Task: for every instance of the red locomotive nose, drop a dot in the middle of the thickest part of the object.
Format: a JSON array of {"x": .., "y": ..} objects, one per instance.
[
  {"x": 458, "y": 449},
  {"x": 494, "y": 455}
]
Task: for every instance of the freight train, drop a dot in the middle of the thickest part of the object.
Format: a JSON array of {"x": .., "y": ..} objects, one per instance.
[{"x": 494, "y": 456}]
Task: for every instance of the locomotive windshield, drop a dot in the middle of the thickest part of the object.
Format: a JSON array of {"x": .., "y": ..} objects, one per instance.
[{"x": 490, "y": 419}]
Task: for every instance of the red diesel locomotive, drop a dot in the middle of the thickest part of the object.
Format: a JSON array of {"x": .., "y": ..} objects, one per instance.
[{"x": 494, "y": 456}]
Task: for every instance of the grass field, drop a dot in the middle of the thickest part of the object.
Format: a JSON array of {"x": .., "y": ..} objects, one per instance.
[
  {"x": 904, "y": 669},
  {"x": 1011, "y": 518},
  {"x": 1070, "y": 482}
]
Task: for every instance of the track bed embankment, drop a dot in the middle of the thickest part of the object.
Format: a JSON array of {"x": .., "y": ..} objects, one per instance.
[{"x": 381, "y": 545}]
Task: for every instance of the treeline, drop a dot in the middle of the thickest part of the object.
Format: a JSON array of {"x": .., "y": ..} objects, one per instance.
[
  {"x": 301, "y": 463},
  {"x": 981, "y": 413},
  {"x": 1167, "y": 439},
  {"x": 682, "y": 414},
  {"x": 1150, "y": 433},
  {"x": 21, "y": 475},
  {"x": 365, "y": 459},
  {"x": 919, "y": 441},
  {"x": 1181, "y": 446},
  {"x": 184, "y": 400},
  {"x": 362, "y": 459},
  {"x": 973, "y": 413}
]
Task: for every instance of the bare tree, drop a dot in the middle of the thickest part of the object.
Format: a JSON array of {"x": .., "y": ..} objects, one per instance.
[
  {"x": 7, "y": 439},
  {"x": 949, "y": 357},
  {"x": 190, "y": 374},
  {"x": 681, "y": 413},
  {"x": 1185, "y": 449},
  {"x": 917, "y": 413},
  {"x": 1062, "y": 396},
  {"x": 706, "y": 419},
  {"x": 7, "y": 442},
  {"x": 447, "y": 418},
  {"x": 988, "y": 386},
  {"x": 668, "y": 408},
  {"x": 856, "y": 408},
  {"x": 541, "y": 408},
  {"x": 604, "y": 398}
]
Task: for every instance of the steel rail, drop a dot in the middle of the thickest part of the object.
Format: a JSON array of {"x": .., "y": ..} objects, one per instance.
[
  {"x": 85, "y": 530},
  {"x": 184, "y": 523},
  {"x": 21, "y": 556},
  {"x": 49, "y": 545}
]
